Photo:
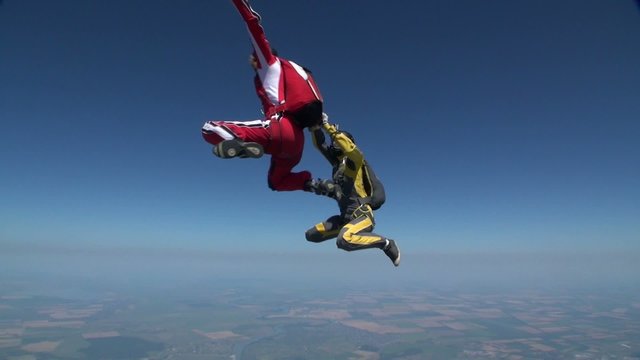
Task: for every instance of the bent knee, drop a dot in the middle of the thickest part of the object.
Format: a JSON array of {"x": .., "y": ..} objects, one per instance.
[
  {"x": 275, "y": 185},
  {"x": 276, "y": 179},
  {"x": 208, "y": 133},
  {"x": 341, "y": 243},
  {"x": 211, "y": 139}
]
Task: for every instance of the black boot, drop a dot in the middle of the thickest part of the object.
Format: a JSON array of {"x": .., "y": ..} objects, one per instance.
[{"x": 392, "y": 251}]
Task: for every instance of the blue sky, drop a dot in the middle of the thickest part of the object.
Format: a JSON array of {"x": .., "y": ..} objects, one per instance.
[{"x": 495, "y": 126}]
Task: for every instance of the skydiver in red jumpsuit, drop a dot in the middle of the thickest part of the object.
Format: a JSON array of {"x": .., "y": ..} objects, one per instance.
[{"x": 291, "y": 102}]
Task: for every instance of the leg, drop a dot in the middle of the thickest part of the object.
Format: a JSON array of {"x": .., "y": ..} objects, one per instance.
[
  {"x": 237, "y": 138},
  {"x": 286, "y": 151},
  {"x": 281, "y": 178},
  {"x": 325, "y": 230},
  {"x": 357, "y": 235},
  {"x": 254, "y": 130}
]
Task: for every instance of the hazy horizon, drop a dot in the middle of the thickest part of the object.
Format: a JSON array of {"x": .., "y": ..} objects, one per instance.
[{"x": 324, "y": 266}]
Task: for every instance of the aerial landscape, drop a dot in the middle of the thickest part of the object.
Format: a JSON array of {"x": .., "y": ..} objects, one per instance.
[{"x": 268, "y": 319}]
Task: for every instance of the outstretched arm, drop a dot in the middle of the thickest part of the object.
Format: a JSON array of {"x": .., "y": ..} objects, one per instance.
[
  {"x": 260, "y": 44},
  {"x": 355, "y": 158},
  {"x": 317, "y": 135}
]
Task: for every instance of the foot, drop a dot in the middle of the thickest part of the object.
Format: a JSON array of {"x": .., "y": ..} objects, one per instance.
[
  {"x": 392, "y": 251},
  {"x": 236, "y": 148}
]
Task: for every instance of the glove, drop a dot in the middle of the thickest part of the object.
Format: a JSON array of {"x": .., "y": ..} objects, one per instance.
[
  {"x": 320, "y": 187},
  {"x": 327, "y": 188},
  {"x": 325, "y": 118}
]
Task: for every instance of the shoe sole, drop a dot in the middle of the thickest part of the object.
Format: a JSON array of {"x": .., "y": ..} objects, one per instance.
[
  {"x": 233, "y": 148},
  {"x": 227, "y": 149},
  {"x": 253, "y": 150}
]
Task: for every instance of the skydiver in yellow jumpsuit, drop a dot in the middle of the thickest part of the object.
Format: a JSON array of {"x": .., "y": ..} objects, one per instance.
[{"x": 356, "y": 189}]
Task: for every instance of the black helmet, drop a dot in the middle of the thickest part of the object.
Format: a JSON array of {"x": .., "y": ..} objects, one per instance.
[
  {"x": 334, "y": 149},
  {"x": 348, "y": 135}
]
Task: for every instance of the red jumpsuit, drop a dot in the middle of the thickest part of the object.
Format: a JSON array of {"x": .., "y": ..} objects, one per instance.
[{"x": 285, "y": 89}]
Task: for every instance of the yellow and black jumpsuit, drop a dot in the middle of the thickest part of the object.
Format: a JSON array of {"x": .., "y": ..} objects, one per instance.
[{"x": 358, "y": 192}]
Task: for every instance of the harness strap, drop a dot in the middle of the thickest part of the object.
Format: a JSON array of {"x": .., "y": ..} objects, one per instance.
[
  {"x": 363, "y": 210},
  {"x": 275, "y": 135}
]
